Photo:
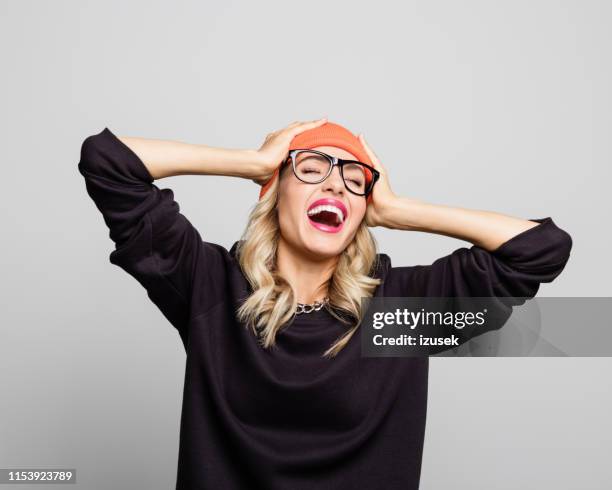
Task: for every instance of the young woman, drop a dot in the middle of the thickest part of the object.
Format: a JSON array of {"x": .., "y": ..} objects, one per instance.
[{"x": 277, "y": 394}]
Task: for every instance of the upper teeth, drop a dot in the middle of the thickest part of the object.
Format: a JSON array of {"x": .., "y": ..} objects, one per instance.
[{"x": 327, "y": 207}]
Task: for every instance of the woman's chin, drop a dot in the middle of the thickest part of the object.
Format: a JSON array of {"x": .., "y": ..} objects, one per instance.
[
  {"x": 325, "y": 245},
  {"x": 321, "y": 241}
]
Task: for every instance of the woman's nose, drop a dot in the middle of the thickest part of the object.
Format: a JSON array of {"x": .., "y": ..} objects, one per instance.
[{"x": 334, "y": 181}]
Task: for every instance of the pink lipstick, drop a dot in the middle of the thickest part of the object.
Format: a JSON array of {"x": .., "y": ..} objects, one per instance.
[{"x": 327, "y": 215}]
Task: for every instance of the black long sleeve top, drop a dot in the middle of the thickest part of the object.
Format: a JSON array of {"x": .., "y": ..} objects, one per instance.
[{"x": 287, "y": 418}]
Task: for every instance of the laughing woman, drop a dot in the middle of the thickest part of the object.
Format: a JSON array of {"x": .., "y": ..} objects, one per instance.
[{"x": 277, "y": 394}]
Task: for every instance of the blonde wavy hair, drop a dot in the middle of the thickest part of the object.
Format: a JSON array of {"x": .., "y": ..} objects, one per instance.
[{"x": 273, "y": 302}]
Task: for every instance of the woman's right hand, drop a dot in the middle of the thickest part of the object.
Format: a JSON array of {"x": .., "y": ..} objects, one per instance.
[{"x": 275, "y": 148}]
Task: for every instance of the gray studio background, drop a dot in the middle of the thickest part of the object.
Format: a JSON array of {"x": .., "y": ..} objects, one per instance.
[{"x": 502, "y": 106}]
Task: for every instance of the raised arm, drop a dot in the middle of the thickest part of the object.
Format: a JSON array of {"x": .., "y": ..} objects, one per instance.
[
  {"x": 154, "y": 242},
  {"x": 516, "y": 268},
  {"x": 487, "y": 229},
  {"x": 509, "y": 257},
  {"x": 165, "y": 158}
]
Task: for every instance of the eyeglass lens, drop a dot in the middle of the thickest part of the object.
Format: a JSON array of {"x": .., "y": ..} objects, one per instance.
[{"x": 312, "y": 167}]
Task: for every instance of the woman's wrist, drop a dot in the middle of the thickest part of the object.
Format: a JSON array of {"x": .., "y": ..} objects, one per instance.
[{"x": 402, "y": 213}]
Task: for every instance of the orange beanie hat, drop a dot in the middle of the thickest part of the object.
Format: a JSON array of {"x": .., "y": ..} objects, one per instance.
[{"x": 328, "y": 134}]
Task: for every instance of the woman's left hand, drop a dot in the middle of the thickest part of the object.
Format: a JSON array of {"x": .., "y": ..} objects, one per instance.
[{"x": 382, "y": 195}]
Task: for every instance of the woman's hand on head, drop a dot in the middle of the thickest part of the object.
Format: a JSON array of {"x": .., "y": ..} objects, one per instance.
[
  {"x": 275, "y": 148},
  {"x": 382, "y": 195}
]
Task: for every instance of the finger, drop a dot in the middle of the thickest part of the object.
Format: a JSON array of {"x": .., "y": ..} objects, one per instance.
[
  {"x": 308, "y": 125},
  {"x": 317, "y": 121},
  {"x": 311, "y": 121},
  {"x": 289, "y": 127},
  {"x": 364, "y": 142},
  {"x": 371, "y": 153},
  {"x": 368, "y": 149},
  {"x": 375, "y": 161}
]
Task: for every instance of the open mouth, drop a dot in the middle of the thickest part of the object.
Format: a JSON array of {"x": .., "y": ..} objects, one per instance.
[{"x": 326, "y": 215}]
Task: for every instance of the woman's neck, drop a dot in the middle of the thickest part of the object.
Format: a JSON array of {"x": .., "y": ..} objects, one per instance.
[{"x": 308, "y": 277}]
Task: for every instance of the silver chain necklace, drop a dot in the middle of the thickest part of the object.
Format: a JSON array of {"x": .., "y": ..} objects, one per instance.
[{"x": 310, "y": 307}]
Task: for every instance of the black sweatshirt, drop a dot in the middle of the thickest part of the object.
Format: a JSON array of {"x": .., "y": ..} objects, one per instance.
[{"x": 288, "y": 418}]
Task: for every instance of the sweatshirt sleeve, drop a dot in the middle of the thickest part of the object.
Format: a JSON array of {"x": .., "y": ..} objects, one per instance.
[
  {"x": 512, "y": 273},
  {"x": 516, "y": 268},
  {"x": 154, "y": 242}
]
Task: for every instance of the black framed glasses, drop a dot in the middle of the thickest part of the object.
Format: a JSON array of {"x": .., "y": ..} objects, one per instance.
[{"x": 313, "y": 167}]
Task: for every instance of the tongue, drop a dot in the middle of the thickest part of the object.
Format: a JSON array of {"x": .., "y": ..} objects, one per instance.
[{"x": 325, "y": 217}]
